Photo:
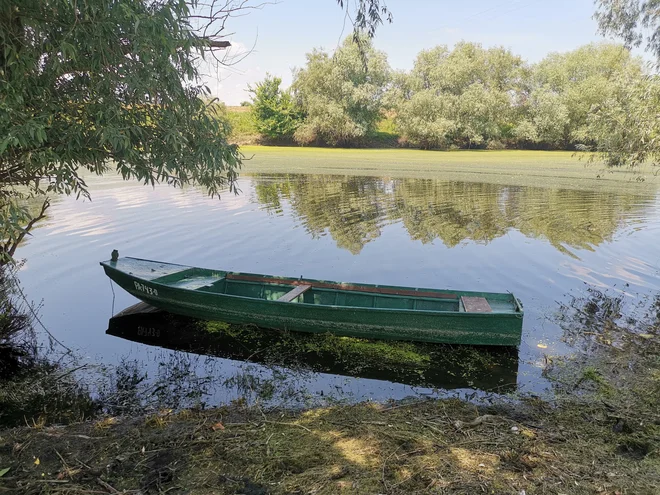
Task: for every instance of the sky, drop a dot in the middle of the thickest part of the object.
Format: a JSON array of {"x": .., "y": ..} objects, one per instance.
[{"x": 275, "y": 38}]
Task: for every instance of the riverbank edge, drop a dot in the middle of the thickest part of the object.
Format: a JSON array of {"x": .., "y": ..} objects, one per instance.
[
  {"x": 544, "y": 169},
  {"x": 440, "y": 446}
]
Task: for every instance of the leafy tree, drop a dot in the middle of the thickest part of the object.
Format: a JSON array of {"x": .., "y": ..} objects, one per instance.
[
  {"x": 341, "y": 95},
  {"x": 481, "y": 115},
  {"x": 464, "y": 96},
  {"x": 275, "y": 114},
  {"x": 468, "y": 63},
  {"x": 547, "y": 119},
  {"x": 102, "y": 84},
  {"x": 424, "y": 120},
  {"x": 627, "y": 125},
  {"x": 89, "y": 83},
  {"x": 567, "y": 86},
  {"x": 637, "y": 22}
]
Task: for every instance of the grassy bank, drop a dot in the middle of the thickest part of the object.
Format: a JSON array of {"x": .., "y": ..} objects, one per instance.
[
  {"x": 561, "y": 169},
  {"x": 433, "y": 447},
  {"x": 244, "y": 130}
]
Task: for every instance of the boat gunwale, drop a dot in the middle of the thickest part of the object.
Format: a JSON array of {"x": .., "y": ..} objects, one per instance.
[
  {"x": 457, "y": 293},
  {"x": 517, "y": 313},
  {"x": 326, "y": 289}
]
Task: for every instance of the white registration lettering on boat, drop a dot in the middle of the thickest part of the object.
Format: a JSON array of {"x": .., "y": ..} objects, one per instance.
[{"x": 147, "y": 290}]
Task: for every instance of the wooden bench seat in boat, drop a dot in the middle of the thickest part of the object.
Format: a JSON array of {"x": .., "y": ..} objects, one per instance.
[
  {"x": 476, "y": 305},
  {"x": 295, "y": 292}
]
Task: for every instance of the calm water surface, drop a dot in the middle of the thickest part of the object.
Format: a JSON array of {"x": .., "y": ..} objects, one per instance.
[{"x": 542, "y": 244}]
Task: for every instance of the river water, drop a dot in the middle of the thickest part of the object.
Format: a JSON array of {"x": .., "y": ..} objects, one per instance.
[{"x": 545, "y": 245}]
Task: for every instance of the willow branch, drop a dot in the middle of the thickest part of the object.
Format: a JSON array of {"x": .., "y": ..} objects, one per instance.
[{"x": 11, "y": 247}]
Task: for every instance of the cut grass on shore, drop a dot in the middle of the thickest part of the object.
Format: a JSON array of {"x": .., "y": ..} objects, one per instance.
[
  {"x": 557, "y": 169},
  {"x": 444, "y": 446}
]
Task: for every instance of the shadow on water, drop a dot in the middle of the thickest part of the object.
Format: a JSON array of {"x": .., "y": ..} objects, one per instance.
[{"x": 424, "y": 365}]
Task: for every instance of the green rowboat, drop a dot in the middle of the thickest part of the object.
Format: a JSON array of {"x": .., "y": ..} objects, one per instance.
[{"x": 306, "y": 305}]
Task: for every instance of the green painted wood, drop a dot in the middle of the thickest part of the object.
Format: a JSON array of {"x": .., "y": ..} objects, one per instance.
[
  {"x": 355, "y": 310},
  {"x": 435, "y": 366}
]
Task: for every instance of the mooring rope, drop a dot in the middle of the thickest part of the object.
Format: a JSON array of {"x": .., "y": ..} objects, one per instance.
[
  {"x": 112, "y": 288},
  {"x": 34, "y": 313}
]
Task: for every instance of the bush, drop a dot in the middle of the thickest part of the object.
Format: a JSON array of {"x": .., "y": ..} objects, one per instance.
[
  {"x": 495, "y": 144},
  {"x": 17, "y": 341},
  {"x": 242, "y": 125},
  {"x": 274, "y": 112},
  {"x": 341, "y": 94}
]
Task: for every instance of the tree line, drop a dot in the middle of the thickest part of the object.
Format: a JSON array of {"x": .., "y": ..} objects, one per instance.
[{"x": 465, "y": 97}]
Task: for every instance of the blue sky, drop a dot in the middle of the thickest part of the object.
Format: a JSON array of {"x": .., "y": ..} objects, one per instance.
[{"x": 283, "y": 32}]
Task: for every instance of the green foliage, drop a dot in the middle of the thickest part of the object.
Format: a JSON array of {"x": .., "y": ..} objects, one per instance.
[
  {"x": 366, "y": 18},
  {"x": 637, "y": 22},
  {"x": 241, "y": 124},
  {"x": 84, "y": 85},
  {"x": 341, "y": 95},
  {"x": 548, "y": 119},
  {"x": 386, "y": 125},
  {"x": 275, "y": 114},
  {"x": 626, "y": 126},
  {"x": 461, "y": 96},
  {"x": 424, "y": 121},
  {"x": 568, "y": 86},
  {"x": 471, "y": 96}
]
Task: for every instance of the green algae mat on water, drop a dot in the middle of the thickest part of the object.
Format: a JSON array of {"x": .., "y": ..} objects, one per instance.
[{"x": 551, "y": 169}]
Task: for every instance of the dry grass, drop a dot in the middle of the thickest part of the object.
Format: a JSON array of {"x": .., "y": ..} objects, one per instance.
[
  {"x": 239, "y": 109},
  {"x": 430, "y": 447}
]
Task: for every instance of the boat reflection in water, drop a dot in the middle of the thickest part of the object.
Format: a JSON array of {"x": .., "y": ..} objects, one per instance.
[{"x": 434, "y": 366}]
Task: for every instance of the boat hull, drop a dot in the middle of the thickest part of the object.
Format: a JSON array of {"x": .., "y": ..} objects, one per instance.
[
  {"x": 415, "y": 364},
  {"x": 390, "y": 324}
]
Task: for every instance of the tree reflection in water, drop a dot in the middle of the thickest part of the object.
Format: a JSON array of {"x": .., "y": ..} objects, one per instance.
[{"x": 354, "y": 209}]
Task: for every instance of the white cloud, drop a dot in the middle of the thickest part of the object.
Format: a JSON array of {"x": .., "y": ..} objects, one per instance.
[{"x": 231, "y": 66}]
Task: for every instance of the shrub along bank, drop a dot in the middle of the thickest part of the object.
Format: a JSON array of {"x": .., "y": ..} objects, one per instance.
[{"x": 466, "y": 97}]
